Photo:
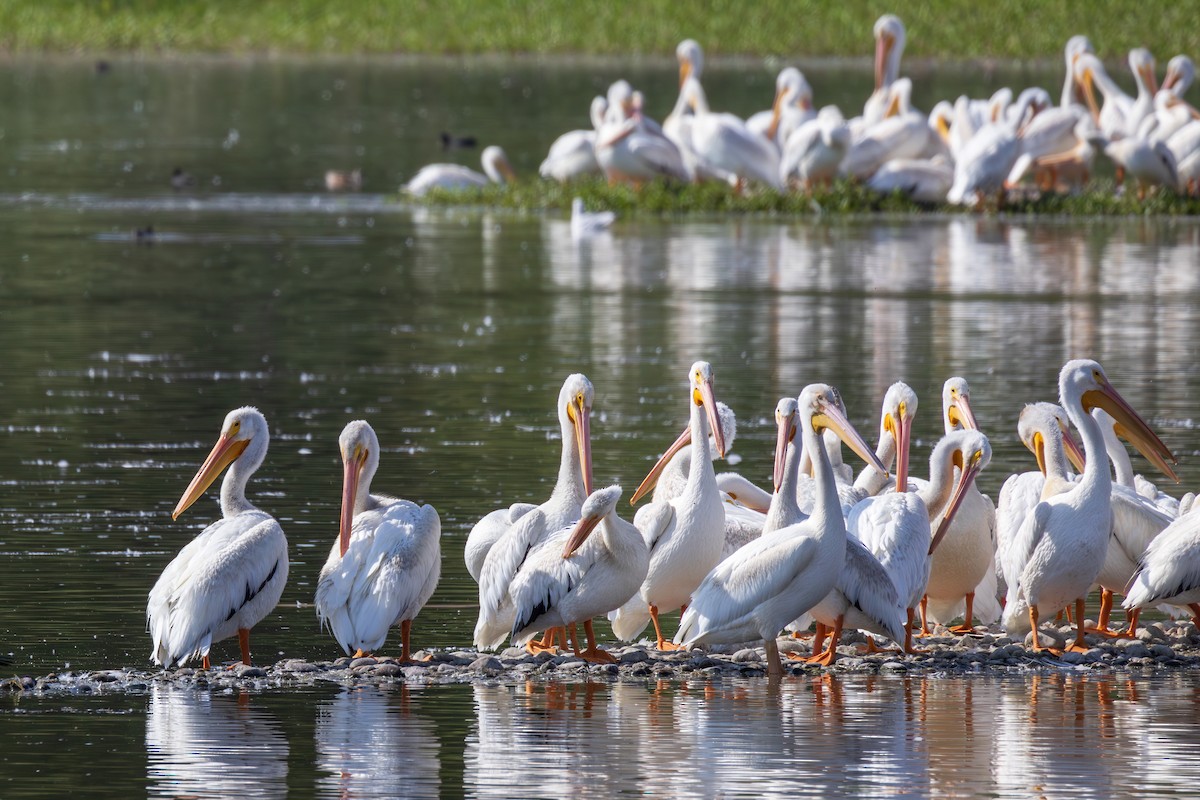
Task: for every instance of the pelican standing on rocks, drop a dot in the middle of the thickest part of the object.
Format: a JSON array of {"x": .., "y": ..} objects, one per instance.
[
  {"x": 576, "y": 575},
  {"x": 230, "y": 576},
  {"x": 685, "y": 534},
  {"x": 755, "y": 592},
  {"x": 386, "y": 561},
  {"x": 1062, "y": 543},
  {"x": 508, "y": 552}
]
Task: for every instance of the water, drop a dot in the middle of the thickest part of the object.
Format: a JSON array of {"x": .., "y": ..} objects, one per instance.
[{"x": 451, "y": 331}]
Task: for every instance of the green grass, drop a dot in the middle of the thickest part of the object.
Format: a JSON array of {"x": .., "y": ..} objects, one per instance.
[
  {"x": 843, "y": 198},
  {"x": 788, "y": 28}
]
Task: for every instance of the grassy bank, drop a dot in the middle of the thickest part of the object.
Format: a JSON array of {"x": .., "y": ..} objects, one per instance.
[
  {"x": 789, "y": 28},
  {"x": 842, "y": 198}
]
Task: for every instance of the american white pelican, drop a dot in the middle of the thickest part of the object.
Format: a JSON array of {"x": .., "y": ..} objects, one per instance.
[
  {"x": 687, "y": 533},
  {"x": 1169, "y": 571},
  {"x": 813, "y": 153},
  {"x": 925, "y": 181},
  {"x": 508, "y": 551},
  {"x": 1149, "y": 162},
  {"x": 759, "y": 589},
  {"x": 1072, "y": 92},
  {"x": 1142, "y": 65},
  {"x": 573, "y": 155},
  {"x": 1181, "y": 72},
  {"x": 1136, "y": 522},
  {"x": 902, "y": 133},
  {"x": 574, "y": 471},
  {"x": 574, "y": 576},
  {"x": 1111, "y": 115},
  {"x": 792, "y": 108},
  {"x": 230, "y": 576},
  {"x": 1184, "y": 144},
  {"x": 1063, "y": 541},
  {"x": 983, "y": 165},
  {"x": 588, "y": 223},
  {"x": 723, "y": 142},
  {"x": 964, "y": 565},
  {"x": 631, "y": 148},
  {"x": 1045, "y": 430},
  {"x": 1061, "y": 144},
  {"x": 386, "y": 561},
  {"x": 455, "y": 176},
  {"x": 889, "y": 47}
]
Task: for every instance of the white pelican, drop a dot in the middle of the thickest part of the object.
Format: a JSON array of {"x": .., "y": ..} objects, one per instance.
[
  {"x": 1072, "y": 92},
  {"x": 1169, "y": 571},
  {"x": 1045, "y": 430},
  {"x": 455, "y": 176},
  {"x": 575, "y": 576},
  {"x": 1057, "y": 142},
  {"x": 573, "y": 155},
  {"x": 723, "y": 142},
  {"x": 759, "y": 589},
  {"x": 792, "y": 108},
  {"x": 1181, "y": 71},
  {"x": 1142, "y": 65},
  {"x": 1111, "y": 115},
  {"x": 984, "y": 164},
  {"x": 1150, "y": 163},
  {"x": 964, "y": 565},
  {"x": 687, "y": 533},
  {"x": 889, "y": 47},
  {"x": 925, "y": 181},
  {"x": 386, "y": 561},
  {"x": 813, "y": 153},
  {"x": 632, "y": 150},
  {"x": 230, "y": 576},
  {"x": 574, "y": 424},
  {"x": 508, "y": 551},
  {"x": 1062, "y": 543},
  {"x": 902, "y": 133},
  {"x": 1136, "y": 521},
  {"x": 588, "y": 223},
  {"x": 1184, "y": 144}
]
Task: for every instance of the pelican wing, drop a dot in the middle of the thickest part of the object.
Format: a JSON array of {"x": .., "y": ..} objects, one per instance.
[
  {"x": 212, "y": 579},
  {"x": 653, "y": 521},
  {"x": 505, "y": 559},
  {"x": 1136, "y": 521},
  {"x": 544, "y": 580},
  {"x": 485, "y": 533},
  {"x": 659, "y": 154},
  {"x": 869, "y": 589},
  {"x": 1020, "y": 551},
  {"x": 1170, "y": 566}
]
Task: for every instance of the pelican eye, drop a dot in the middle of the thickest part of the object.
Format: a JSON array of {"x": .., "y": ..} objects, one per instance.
[{"x": 235, "y": 428}]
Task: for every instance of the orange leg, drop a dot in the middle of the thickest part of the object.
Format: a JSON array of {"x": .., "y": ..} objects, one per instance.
[
  {"x": 1079, "y": 645},
  {"x": 774, "y": 665},
  {"x": 360, "y": 653},
  {"x": 1132, "y": 617},
  {"x": 818, "y": 642},
  {"x": 1106, "y": 604},
  {"x": 405, "y": 639},
  {"x": 244, "y": 642},
  {"x": 873, "y": 648},
  {"x": 827, "y": 658},
  {"x": 205, "y": 663},
  {"x": 546, "y": 645},
  {"x": 908, "y": 636},
  {"x": 1037, "y": 645},
  {"x": 924, "y": 617},
  {"x": 663, "y": 644},
  {"x": 593, "y": 654},
  {"x": 966, "y": 626}
]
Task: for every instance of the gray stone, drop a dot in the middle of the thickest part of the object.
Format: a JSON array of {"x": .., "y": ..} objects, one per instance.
[
  {"x": 365, "y": 661},
  {"x": 893, "y": 666},
  {"x": 249, "y": 671},
  {"x": 487, "y": 664},
  {"x": 299, "y": 665},
  {"x": 634, "y": 655},
  {"x": 748, "y": 656}
]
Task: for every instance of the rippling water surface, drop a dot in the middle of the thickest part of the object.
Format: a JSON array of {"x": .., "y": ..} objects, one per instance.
[{"x": 451, "y": 331}]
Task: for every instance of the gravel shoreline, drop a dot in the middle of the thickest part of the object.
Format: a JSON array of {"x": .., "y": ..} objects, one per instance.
[{"x": 1158, "y": 647}]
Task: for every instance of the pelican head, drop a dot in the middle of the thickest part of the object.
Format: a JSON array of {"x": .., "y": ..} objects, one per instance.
[
  {"x": 791, "y": 89},
  {"x": 596, "y": 112},
  {"x": 820, "y": 408},
  {"x": 1082, "y": 382},
  {"x": 575, "y": 417},
  {"x": 786, "y": 421},
  {"x": 972, "y": 452},
  {"x": 899, "y": 409},
  {"x": 1039, "y": 419},
  {"x": 359, "y": 447},
  {"x": 728, "y": 423},
  {"x": 889, "y": 46},
  {"x": 1181, "y": 71},
  {"x": 691, "y": 60},
  {"x": 1087, "y": 67},
  {"x": 599, "y": 505},
  {"x": 495, "y": 164},
  {"x": 956, "y": 405},
  {"x": 1142, "y": 64},
  {"x": 241, "y": 427}
]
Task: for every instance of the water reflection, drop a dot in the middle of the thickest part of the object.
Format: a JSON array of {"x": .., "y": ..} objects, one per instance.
[
  {"x": 1048, "y": 736},
  {"x": 371, "y": 744},
  {"x": 200, "y": 745}
]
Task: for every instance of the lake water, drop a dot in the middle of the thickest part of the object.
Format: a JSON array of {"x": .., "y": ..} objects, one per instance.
[{"x": 451, "y": 331}]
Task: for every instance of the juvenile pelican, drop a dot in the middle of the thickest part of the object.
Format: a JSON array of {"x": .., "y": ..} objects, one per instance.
[
  {"x": 687, "y": 533},
  {"x": 386, "y": 561},
  {"x": 1063, "y": 541},
  {"x": 575, "y": 576},
  {"x": 774, "y": 579},
  {"x": 230, "y": 576},
  {"x": 454, "y": 176},
  {"x": 508, "y": 552}
]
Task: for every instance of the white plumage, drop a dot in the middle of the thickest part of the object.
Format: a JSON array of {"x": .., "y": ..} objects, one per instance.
[
  {"x": 496, "y": 169},
  {"x": 230, "y": 576},
  {"x": 387, "y": 560}
]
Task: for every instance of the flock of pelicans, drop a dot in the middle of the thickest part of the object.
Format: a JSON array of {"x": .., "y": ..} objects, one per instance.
[
  {"x": 846, "y": 551},
  {"x": 962, "y": 152}
]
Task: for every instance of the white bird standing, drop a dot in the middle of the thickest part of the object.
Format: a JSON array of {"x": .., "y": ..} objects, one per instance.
[
  {"x": 633, "y": 149},
  {"x": 813, "y": 153},
  {"x": 386, "y": 561},
  {"x": 889, "y": 47},
  {"x": 575, "y": 576},
  {"x": 722, "y": 142},
  {"x": 496, "y": 169},
  {"x": 685, "y": 534},
  {"x": 1169, "y": 570},
  {"x": 1062, "y": 543},
  {"x": 759, "y": 589},
  {"x": 792, "y": 108},
  {"x": 230, "y": 576},
  {"x": 901, "y": 133},
  {"x": 508, "y": 552},
  {"x": 573, "y": 155},
  {"x": 964, "y": 565}
]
